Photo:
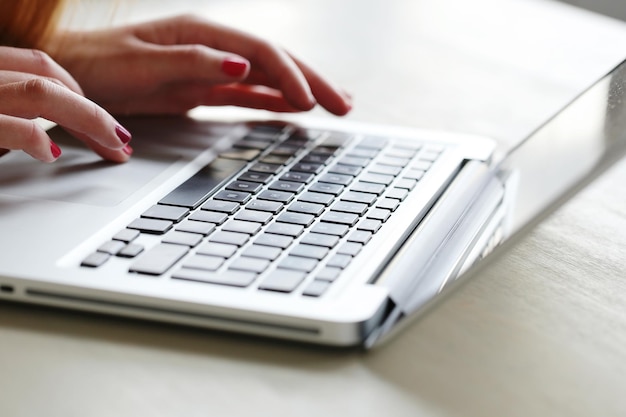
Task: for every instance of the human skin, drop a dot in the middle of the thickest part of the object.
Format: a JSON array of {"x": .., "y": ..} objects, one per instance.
[{"x": 167, "y": 66}]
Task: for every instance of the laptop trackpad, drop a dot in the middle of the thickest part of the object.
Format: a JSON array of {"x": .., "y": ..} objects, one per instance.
[{"x": 79, "y": 176}]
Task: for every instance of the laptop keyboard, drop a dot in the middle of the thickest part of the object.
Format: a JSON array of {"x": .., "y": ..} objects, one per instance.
[{"x": 284, "y": 210}]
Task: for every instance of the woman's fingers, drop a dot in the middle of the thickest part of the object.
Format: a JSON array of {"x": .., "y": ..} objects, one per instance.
[
  {"x": 36, "y": 62},
  {"x": 181, "y": 97},
  {"x": 172, "y": 63},
  {"x": 39, "y": 97},
  {"x": 268, "y": 62},
  {"x": 26, "y": 135}
]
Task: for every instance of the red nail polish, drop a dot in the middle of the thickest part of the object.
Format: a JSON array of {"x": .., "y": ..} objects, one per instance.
[
  {"x": 122, "y": 133},
  {"x": 127, "y": 150},
  {"x": 234, "y": 67},
  {"x": 56, "y": 151}
]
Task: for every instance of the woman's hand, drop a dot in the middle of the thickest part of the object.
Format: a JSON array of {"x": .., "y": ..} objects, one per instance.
[
  {"x": 32, "y": 85},
  {"x": 171, "y": 66}
]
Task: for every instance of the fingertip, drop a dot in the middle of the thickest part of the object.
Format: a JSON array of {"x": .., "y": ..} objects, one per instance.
[
  {"x": 55, "y": 151},
  {"x": 235, "y": 66}
]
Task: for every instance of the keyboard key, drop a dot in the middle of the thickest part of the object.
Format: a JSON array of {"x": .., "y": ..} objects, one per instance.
[
  {"x": 273, "y": 240},
  {"x": 356, "y": 197},
  {"x": 307, "y": 208},
  {"x": 368, "y": 187},
  {"x": 385, "y": 169},
  {"x": 414, "y": 174},
  {"x": 320, "y": 239},
  {"x": 267, "y": 206},
  {"x": 240, "y": 226},
  {"x": 126, "y": 235},
  {"x": 377, "y": 178},
  {"x": 296, "y": 218},
  {"x": 339, "y": 261},
  {"x": 349, "y": 219},
  {"x": 282, "y": 280},
  {"x": 278, "y": 196},
  {"x": 196, "y": 189},
  {"x": 297, "y": 263},
  {"x": 248, "y": 215},
  {"x": 370, "y": 225},
  {"x": 266, "y": 168},
  {"x": 229, "y": 207},
  {"x": 228, "y": 277},
  {"x": 217, "y": 249},
  {"x": 257, "y": 177},
  {"x": 316, "y": 288},
  {"x": 360, "y": 236},
  {"x": 130, "y": 251},
  {"x": 240, "y": 154},
  {"x": 330, "y": 145},
  {"x": 95, "y": 259},
  {"x": 429, "y": 156},
  {"x": 379, "y": 214},
  {"x": 182, "y": 238},
  {"x": 345, "y": 169},
  {"x": 250, "y": 187},
  {"x": 398, "y": 193},
  {"x": 152, "y": 226},
  {"x": 205, "y": 262},
  {"x": 330, "y": 229},
  {"x": 350, "y": 207},
  {"x": 308, "y": 167},
  {"x": 248, "y": 142},
  {"x": 234, "y": 196},
  {"x": 406, "y": 183},
  {"x": 158, "y": 259},
  {"x": 262, "y": 252},
  {"x": 328, "y": 273},
  {"x": 388, "y": 203},
  {"x": 273, "y": 158},
  {"x": 320, "y": 187},
  {"x": 302, "y": 177},
  {"x": 309, "y": 251},
  {"x": 209, "y": 217},
  {"x": 172, "y": 213},
  {"x": 191, "y": 226},
  {"x": 286, "y": 229},
  {"x": 290, "y": 186},
  {"x": 350, "y": 248},
  {"x": 230, "y": 238},
  {"x": 355, "y": 161},
  {"x": 317, "y": 158},
  {"x": 249, "y": 264},
  {"x": 112, "y": 247},
  {"x": 363, "y": 152},
  {"x": 393, "y": 161},
  {"x": 336, "y": 179},
  {"x": 317, "y": 198},
  {"x": 375, "y": 142}
]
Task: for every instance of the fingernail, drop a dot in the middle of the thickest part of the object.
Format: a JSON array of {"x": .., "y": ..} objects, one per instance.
[
  {"x": 122, "y": 133},
  {"x": 127, "y": 150},
  {"x": 234, "y": 67},
  {"x": 56, "y": 151}
]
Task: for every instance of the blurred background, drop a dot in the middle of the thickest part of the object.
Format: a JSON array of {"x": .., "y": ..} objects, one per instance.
[{"x": 614, "y": 8}]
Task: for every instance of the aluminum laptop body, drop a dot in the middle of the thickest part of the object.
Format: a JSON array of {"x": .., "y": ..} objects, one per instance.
[{"x": 384, "y": 218}]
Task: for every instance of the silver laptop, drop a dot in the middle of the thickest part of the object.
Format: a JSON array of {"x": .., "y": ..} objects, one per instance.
[{"x": 323, "y": 231}]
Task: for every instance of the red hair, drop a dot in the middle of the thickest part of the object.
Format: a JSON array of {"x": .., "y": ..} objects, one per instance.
[{"x": 27, "y": 23}]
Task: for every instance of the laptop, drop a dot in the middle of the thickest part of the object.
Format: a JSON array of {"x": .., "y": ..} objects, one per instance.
[{"x": 321, "y": 231}]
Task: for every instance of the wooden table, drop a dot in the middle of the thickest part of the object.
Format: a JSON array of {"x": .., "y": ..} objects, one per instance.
[{"x": 541, "y": 332}]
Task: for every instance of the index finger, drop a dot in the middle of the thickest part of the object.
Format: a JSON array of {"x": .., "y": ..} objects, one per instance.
[{"x": 36, "y": 62}]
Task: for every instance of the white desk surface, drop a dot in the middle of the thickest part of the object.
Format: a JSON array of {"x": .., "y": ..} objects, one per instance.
[{"x": 541, "y": 333}]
